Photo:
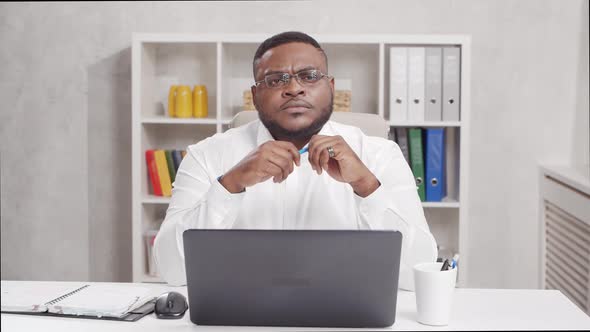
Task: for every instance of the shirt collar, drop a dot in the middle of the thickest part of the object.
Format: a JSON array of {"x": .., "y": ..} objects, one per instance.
[{"x": 264, "y": 135}]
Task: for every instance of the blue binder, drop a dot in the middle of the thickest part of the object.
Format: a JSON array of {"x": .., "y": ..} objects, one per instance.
[{"x": 434, "y": 141}]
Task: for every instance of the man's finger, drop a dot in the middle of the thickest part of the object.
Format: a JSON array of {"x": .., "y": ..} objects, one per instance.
[
  {"x": 282, "y": 163},
  {"x": 291, "y": 149},
  {"x": 272, "y": 170},
  {"x": 316, "y": 150}
]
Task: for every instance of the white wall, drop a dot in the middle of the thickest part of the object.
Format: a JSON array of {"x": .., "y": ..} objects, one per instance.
[{"x": 65, "y": 117}]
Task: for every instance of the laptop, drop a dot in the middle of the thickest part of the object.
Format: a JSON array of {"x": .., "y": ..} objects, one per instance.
[{"x": 305, "y": 278}]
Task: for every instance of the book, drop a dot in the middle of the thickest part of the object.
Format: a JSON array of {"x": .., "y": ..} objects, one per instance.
[
  {"x": 177, "y": 157},
  {"x": 163, "y": 173},
  {"x": 115, "y": 301},
  {"x": 153, "y": 172},
  {"x": 170, "y": 163},
  {"x": 417, "y": 159}
]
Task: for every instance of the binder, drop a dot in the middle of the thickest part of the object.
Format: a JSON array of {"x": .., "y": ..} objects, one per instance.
[
  {"x": 452, "y": 163},
  {"x": 451, "y": 83},
  {"x": 398, "y": 84},
  {"x": 416, "y": 83},
  {"x": 401, "y": 134},
  {"x": 435, "y": 168},
  {"x": 417, "y": 159},
  {"x": 433, "y": 92}
]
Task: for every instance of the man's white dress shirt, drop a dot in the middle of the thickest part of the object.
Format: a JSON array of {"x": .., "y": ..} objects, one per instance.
[{"x": 305, "y": 200}]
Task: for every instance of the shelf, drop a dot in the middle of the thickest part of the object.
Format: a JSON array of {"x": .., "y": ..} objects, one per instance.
[
  {"x": 453, "y": 205},
  {"x": 168, "y": 120},
  {"x": 426, "y": 124},
  {"x": 151, "y": 199}
]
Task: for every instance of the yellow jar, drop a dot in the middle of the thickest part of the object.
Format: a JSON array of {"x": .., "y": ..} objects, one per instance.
[
  {"x": 172, "y": 101},
  {"x": 200, "y": 101},
  {"x": 184, "y": 102}
]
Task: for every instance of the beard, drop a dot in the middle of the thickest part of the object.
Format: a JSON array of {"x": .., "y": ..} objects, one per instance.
[{"x": 277, "y": 131}]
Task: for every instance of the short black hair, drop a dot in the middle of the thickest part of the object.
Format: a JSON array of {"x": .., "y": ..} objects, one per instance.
[{"x": 285, "y": 38}]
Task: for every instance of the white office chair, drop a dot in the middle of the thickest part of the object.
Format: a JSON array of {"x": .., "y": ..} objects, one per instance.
[{"x": 370, "y": 124}]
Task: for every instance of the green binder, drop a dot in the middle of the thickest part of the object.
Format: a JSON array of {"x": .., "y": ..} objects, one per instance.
[
  {"x": 171, "y": 168},
  {"x": 417, "y": 159}
]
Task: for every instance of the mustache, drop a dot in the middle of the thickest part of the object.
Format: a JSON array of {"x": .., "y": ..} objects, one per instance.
[{"x": 296, "y": 103}]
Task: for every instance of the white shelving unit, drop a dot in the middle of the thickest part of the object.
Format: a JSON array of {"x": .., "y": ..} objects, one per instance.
[{"x": 223, "y": 62}]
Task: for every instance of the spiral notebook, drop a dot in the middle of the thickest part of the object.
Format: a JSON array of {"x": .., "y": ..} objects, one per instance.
[{"x": 99, "y": 301}]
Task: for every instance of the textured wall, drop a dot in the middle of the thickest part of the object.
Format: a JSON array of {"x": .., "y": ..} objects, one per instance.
[{"x": 65, "y": 117}]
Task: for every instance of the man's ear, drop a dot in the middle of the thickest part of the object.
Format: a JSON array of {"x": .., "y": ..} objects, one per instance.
[
  {"x": 253, "y": 90},
  {"x": 332, "y": 84}
]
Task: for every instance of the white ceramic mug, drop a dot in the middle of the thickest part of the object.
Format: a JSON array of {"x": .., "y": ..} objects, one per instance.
[{"x": 434, "y": 293}]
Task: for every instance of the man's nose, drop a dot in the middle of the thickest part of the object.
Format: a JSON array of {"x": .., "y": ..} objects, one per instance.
[{"x": 293, "y": 89}]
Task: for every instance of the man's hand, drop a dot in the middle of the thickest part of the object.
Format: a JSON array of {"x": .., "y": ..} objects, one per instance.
[
  {"x": 272, "y": 159},
  {"x": 345, "y": 166}
]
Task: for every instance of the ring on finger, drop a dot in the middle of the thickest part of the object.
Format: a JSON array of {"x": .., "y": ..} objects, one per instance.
[{"x": 331, "y": 152}]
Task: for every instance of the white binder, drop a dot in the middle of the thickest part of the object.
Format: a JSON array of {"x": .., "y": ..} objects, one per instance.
[
  {"x": 398, "y": 84},
  {"x": 416, "y": 83},
  {"x": 451, "y": 83},
  {"x": 433, "y": 94}
]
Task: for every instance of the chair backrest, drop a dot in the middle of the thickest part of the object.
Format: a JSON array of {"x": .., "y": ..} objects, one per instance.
[{"x": 370, "y": 124}]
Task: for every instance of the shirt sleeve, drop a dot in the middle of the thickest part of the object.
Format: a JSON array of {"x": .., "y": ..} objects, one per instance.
[
  {"x": 198, "y": 201},
  {"x": 395, "y": 205}
]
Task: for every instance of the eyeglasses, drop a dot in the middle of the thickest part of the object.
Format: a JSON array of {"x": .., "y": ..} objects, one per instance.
[{"x": 304, "y": 77}]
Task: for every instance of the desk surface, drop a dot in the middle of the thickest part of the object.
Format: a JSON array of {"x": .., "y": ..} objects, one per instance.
[{"x": 473, "y": 309}]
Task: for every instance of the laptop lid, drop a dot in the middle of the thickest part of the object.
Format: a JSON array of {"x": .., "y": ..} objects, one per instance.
[{"x": 319, "y": 278}]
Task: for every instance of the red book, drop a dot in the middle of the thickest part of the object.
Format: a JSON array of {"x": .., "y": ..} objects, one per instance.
[{"x": 153, "y": 172}]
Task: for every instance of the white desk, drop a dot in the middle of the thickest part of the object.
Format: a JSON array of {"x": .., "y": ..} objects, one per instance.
[{"x": 473, "y": 309}]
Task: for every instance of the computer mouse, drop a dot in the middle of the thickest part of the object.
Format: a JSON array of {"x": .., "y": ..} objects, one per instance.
[{"x": 171, "y": 305}]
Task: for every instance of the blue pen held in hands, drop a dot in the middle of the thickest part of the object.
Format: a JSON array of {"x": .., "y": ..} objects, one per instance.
[{"x": 304, "y": 150}]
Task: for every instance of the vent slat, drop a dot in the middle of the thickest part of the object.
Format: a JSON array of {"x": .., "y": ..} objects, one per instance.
[
  {"x": 571, "y": 219},
  {"x": 565, "y": 288},
  {"x": 577, "y": 281},
  {"x": 576, "y": 235},
  {"x": 549, "y": 284},
  {"x": 558, "y": 243},
  {"x": 556, "y": 227}
]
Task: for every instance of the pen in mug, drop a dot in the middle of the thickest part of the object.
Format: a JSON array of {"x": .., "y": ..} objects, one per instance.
[
  {"x": 304, "y": 150},
  {"x": 454, "y": 261},
  {"x": 445, "y": 265}
]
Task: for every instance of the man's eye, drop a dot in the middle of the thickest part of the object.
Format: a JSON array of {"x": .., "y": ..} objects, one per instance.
[
  {"x": 274, "y": 81},
  {"x": 310, "y": 76}
]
